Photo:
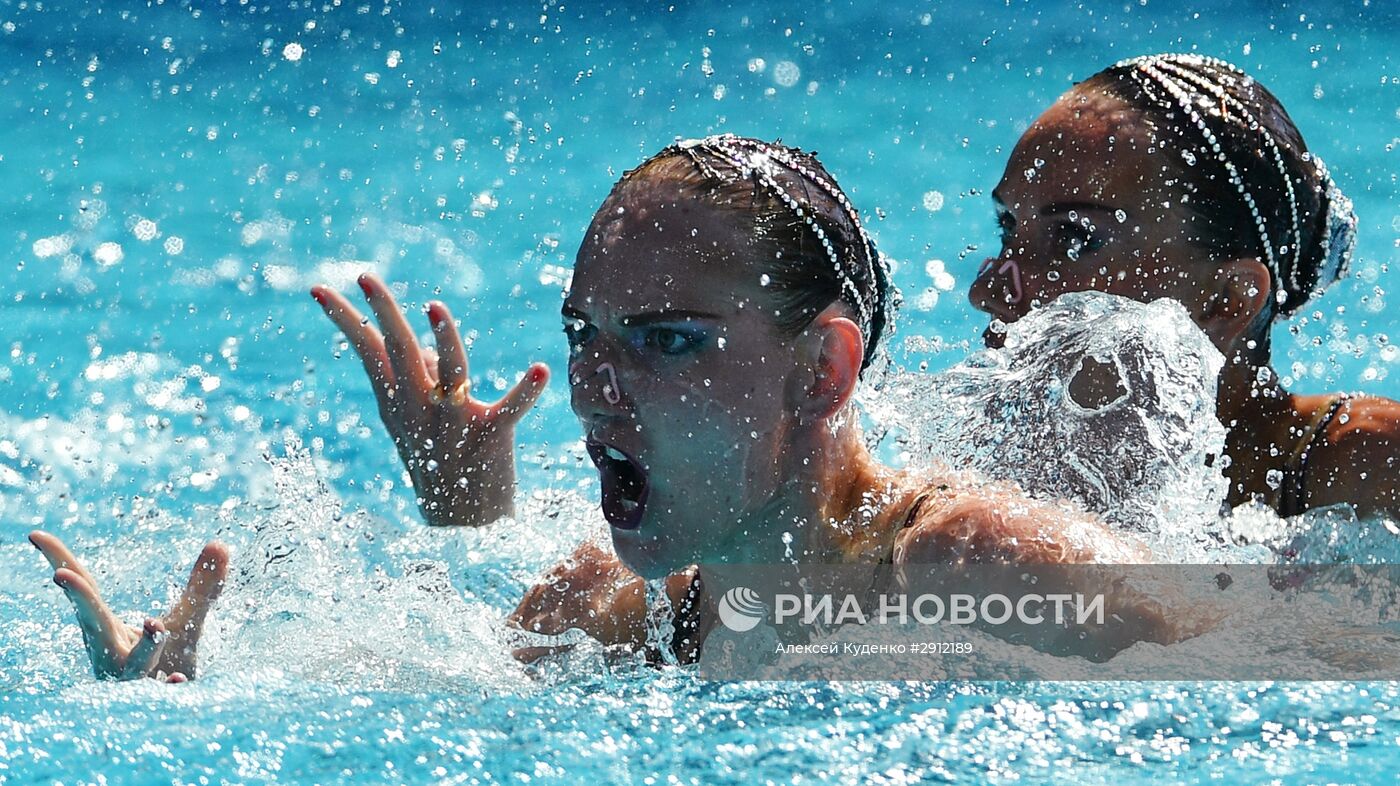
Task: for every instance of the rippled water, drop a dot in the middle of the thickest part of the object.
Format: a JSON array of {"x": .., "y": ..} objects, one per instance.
[{"x": 177, "y": 176}]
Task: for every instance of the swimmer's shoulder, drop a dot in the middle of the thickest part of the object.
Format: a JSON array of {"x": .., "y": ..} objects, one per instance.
[
  {"x": 1356, "y": 458},
  {"x": 955, "y": 517}
]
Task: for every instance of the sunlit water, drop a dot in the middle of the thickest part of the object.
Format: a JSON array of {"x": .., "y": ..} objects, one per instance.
[{"x": 177, "y": 178}]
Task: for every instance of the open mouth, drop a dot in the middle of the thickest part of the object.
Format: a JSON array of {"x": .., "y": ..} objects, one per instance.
[{"x": 624, "y": 483}]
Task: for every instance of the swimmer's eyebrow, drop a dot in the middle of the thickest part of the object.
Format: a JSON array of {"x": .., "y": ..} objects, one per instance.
[
  {"x": 1056, "y": 208},
  {"x": 646, "y": 317},
  {"x": 668, "y": 315}
]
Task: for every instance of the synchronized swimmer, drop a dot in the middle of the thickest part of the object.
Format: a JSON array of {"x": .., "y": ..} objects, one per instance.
[
  {"x": 727, "y": 299},
  {"x": 1180, "y": 176}
]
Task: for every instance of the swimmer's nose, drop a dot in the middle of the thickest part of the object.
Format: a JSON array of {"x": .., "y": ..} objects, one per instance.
[
  {"x": 998, "y": 289},
  {"x": 596, "y": 388}
]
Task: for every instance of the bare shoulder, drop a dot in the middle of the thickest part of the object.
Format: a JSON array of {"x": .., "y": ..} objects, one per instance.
[
  {"x": 1357, "y": 461},
  {"x": 960, "y": 520}
]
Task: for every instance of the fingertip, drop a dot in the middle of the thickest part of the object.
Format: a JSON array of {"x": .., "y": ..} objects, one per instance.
[
  {"x": 538, "y": 373},
  {"x": 216, "y": 550},
  {"x": 318, "y": 293},
  {"x": 438, "y": 313},
  {"x": 176, "y": 678},
  {"x": 366, "y": 282},
  {"x": 153, "y": 627}
]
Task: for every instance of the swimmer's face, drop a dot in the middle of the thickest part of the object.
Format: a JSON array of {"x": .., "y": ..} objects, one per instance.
[
  {"x": 667, "y": 305},
  {"x": 1090, "y": 201}
]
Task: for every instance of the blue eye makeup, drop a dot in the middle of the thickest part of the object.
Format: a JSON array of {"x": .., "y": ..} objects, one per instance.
[{"x": 671, "y": 340}]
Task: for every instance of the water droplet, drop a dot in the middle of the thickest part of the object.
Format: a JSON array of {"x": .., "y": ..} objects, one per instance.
[
  {"x": 1274, "y": 478},
  {"x": 786, "y": 73},
  {"x": 1120, "y": 215}
]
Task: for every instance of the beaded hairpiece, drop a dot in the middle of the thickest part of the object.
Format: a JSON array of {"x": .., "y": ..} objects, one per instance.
[
  {"x": 754, "y": 159},
  {"x": 1339, "y": 239},
  {"x": 1195, "y": 93}
]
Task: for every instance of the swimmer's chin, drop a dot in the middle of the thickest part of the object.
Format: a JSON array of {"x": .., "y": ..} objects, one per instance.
[
  {"x": 643, "y": 553},
  {"x": 648, "y": 566},
  {"x": 994, "y": 339}
]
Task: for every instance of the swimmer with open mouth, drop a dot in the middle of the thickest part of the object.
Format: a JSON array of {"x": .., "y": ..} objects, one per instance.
[{"x": 725, "y": 302}]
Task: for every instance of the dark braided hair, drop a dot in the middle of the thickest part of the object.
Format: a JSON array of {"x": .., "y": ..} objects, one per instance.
[
  {"x": 821, "y": 252},
  {"x": 1253, "y": 186}
]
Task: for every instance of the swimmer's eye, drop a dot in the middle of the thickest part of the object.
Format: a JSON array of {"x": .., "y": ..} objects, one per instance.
[
  {"x": 673, "y": 341},
  {"x": 579, "y": 333},
  {"x": 1075, "y": 239},
  {"x": 1006, "y": 224}
]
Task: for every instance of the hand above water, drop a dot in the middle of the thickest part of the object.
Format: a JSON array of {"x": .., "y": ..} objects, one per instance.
[
  {"x": 460, "y": 451},
  {"x": 163, "y": 648}
]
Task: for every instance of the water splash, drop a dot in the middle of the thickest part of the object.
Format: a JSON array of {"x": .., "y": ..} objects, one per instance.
[
  {"x": 661, "y": 628},
  {"x": 1094, "y": 398}
]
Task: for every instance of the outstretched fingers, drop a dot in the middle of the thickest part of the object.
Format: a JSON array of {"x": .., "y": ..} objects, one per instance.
[
  {"x": 452, "y": 369},
  {"x": 58, "y": 554},
  {"x": 206, "y": 582},
  {"x": 513, "y": 406},
  {"x": 100, "y": 627},
  {"x": 367, "y": 341},
  {"x": 399, "y": 341}
]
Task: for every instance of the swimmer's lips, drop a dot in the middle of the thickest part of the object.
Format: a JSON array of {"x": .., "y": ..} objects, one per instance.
[{"x": 624, "y": 482}]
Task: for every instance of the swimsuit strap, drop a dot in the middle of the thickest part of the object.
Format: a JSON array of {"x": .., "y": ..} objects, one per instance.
[
  {"x": 686, "y": 622},
  {"x": 914, "y": 510},
  {"x": 1293, "y": 492},
  {"x": 908, "y": 522}
]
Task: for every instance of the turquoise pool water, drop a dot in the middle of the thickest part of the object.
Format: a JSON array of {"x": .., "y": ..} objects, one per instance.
[{"x": 176, "y": 176}]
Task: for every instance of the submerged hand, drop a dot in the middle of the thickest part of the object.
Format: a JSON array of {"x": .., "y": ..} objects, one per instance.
[
  {"x": 460, "y": 451},
  {"x": 163, "y": 648}
]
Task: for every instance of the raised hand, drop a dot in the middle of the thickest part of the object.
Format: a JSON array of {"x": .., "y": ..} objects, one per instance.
[
  {"x": 460, "y": 451},
  {"x": 163, "y": 648}
]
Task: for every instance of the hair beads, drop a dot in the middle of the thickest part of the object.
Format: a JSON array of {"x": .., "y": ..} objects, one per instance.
[
  {"x": 762, "y": 162},
  {"x": 1204, "y": 89}
]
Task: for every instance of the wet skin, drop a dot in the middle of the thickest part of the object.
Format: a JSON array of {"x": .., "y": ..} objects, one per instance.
[
  {"x": 746, "y": 438},
  {"x": 1091, "y": 201},
  {"x": 745, "y": 434}
]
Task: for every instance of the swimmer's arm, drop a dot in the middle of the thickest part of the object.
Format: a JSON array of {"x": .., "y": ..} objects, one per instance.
[
  {"x": 1359, "y": 462},
  {"x": 164, "y": 648},
  {"x": 1005, "y": 529},
  {"x": 459, "y": 450},
  {"x": 594, "y": 592},
  {"x": 999, "y": 526}
]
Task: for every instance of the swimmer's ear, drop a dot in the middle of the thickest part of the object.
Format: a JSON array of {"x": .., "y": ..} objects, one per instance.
[
  {"x": 1238, "y": 294},
  {"x": 831, "y": 348}
]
